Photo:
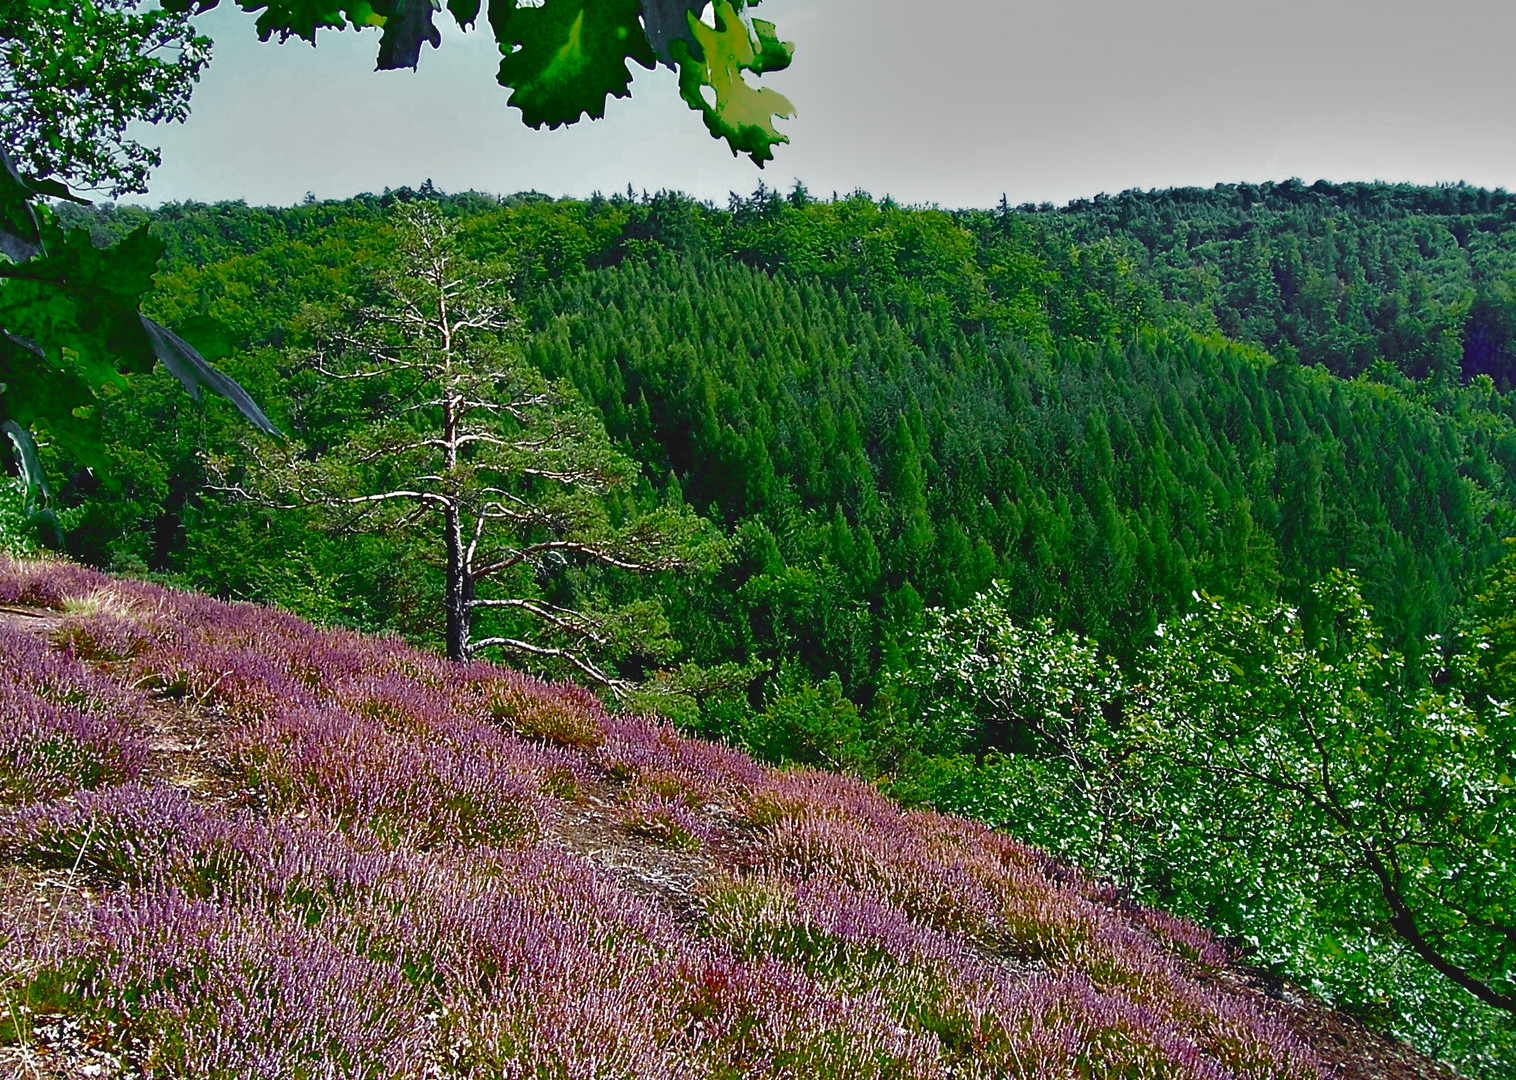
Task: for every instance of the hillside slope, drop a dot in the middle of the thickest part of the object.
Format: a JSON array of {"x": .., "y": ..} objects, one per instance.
[
  {"x": 1344, "y": 275},
  {"x": 239, "y": 846},
  {"x": 890, "y": 407}
]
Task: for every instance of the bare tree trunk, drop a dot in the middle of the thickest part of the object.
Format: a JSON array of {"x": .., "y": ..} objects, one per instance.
[{"x": 459, "y": 587}]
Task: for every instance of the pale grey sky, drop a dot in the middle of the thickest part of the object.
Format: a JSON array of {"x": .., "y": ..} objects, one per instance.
[{"x": 950, "y": 102}]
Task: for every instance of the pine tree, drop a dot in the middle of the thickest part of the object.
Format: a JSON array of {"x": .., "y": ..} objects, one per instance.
[{"x": 511, "y": 473}]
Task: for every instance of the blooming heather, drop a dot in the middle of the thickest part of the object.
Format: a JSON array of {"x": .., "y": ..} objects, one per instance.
[
  {"x": 63, "y": 726},
  {"x": 432, "y": 869}
]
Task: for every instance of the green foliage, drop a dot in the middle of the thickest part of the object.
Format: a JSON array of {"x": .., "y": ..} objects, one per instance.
[
  {"x": 886, "y": 408},
  {"x": 808, "y": 724},
  {"x": 1295, "y": 788},
  {"x": 713, "y": 699},
  {"x": 71, "y": 331},
  {"x": 302, "y": 18},
  {"x": 1494, "y": 618},
  {"x": 75, "y": 73},
  {"x": 1342, "y": 275},
  {"x": 1394, "y": 800},
  {"x": 417, "y": 416},
  {"x": 16, "y": 519},
  {"x": 562, "y": 59},
  {"x": 78, "y": 299},
  {"x": 740, "y": 114},
  {"x": 1105, "y": 484},
  {"x": 668, "y": 21}
]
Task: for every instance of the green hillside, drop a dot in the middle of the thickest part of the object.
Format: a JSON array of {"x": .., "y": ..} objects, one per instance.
[
  {"x": 1346, "y": 275},
  {"x": 889, "y": 408},
  {"x": 1093, "y": 419}
]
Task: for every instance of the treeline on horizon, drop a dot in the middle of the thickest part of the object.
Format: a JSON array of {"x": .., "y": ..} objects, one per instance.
[{"x": 1342, "y": 275}]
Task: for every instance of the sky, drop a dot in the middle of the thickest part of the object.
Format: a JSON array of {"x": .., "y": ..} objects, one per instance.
[{"x": 947, "y": 102}]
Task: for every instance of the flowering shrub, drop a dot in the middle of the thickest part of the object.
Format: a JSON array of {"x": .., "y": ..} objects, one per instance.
[
  {"x": 397, "y": 891},
  {"x": 62, "y": 725}
]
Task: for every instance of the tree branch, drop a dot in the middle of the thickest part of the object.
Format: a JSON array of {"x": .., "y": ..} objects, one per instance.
[
  {"x": 572, "y": 622},
  {"x": 578, "y": 548},
  {"x": 619, "y": 687}
]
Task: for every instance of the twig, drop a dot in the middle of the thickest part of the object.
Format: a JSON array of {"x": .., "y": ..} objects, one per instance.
[
  {"x": 68, "y": 883},
  {"x": 22, "y": 1039},
  {"x": 201, "y": 699}
]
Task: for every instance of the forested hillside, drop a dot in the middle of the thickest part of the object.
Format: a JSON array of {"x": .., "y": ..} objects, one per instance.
[
  {"x": 889, "y": 408},
  {"x": 1084, "y": 427},
  {"x": 1346, "y": 275},
  {"x": 1106, "y": 482}
]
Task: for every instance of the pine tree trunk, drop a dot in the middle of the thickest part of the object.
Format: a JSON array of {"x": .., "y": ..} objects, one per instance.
[{"x": 458, "y": 588}]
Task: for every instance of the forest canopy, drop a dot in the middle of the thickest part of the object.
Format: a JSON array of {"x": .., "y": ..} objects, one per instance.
[{"x": 888, "y": 408}]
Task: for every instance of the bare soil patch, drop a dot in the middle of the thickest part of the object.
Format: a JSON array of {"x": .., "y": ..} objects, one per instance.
[
  {"x": 670, "y": 877},
  {"x": 1357, "y": 1050}
]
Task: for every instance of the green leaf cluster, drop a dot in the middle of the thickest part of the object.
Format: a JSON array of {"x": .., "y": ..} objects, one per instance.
[
  {"x": 563, "y": 59},
  {"x": 75, "y": 73},
  {"x": 1294, "y": 787},
  {"x": 71, "y": 331}
]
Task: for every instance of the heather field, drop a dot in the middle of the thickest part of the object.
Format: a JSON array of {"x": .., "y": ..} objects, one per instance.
[{"x": 239, "y": 846}]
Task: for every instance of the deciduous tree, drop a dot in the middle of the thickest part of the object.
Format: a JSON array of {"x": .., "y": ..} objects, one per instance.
[
  {"x": 1293, "y": 785},
  {"x": 75, "y": 73}
]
